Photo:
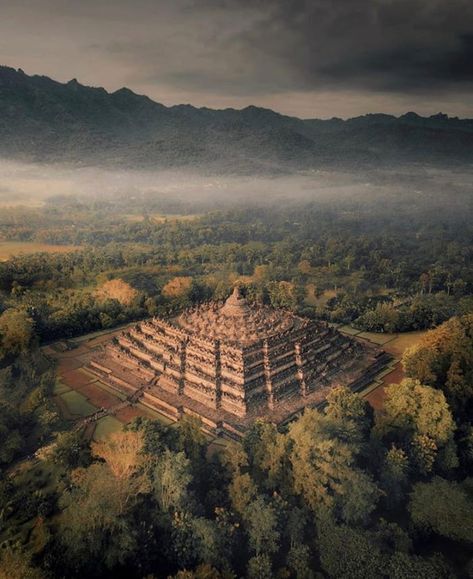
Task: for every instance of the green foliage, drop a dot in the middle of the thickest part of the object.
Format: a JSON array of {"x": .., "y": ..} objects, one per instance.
[
  {"x": 309, "y": 500},
  {"x": 261, "y": 520},
  {"x": 298, "y": 560},
  {"x": 404, "y": 566},
  {"x": 190, "y": 438},
  {"x": 443, "y": 507},
  {"x": 348, "y": 553},
  {"x": 242, "y": 492},
  {"x": 171, "y": 477},
  {"x": 444, "y": 359},
  {"x": 71, "y": 450},
  {"x": 16, "y": 564},
  {"x": 416, "y": 313},
  {"x": 411, "y": 407},
  {"x": 92, "y": 525},
  {"x": 394, "y": 474},
  {"x": 418, "y": 418},
  {"x": 292, "y": 504},
  {"x": 27, "y": 414},
  {"x": 325, "y": 469},
  {"x": 259, "y": 567},
  {"x": 16, "y": 332},
  {"x": 352, "y": 416}
]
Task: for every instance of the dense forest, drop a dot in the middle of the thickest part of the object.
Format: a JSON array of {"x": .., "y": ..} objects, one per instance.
[
  {"x": 383, "y": 264},
  {"x": 344, "y": 491}
]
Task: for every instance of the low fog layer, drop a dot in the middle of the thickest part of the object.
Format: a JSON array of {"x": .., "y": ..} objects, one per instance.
[{"x": 29, "y": 184}]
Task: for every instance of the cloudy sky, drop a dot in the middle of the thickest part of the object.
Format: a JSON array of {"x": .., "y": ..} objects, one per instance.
[{"x": 310, "y": 58}]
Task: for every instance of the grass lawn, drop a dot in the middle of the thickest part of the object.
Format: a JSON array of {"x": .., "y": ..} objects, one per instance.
[
  {"x": 395, "y": 344},
  {"x": 60, "y": 387},
  {"x": 77, "y": 404},
  {"x": 403, "y": 341},
  {"x": 349, "y": 330},
  {"x": 106, "y": 426},
  {"x": 154, "y": 415},
  {"x": 377, "y": 338}
]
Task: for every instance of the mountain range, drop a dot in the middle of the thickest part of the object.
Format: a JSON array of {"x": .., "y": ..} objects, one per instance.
[{"x": 43, "y": 120}]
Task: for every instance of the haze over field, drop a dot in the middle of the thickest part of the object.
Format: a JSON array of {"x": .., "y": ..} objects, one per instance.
[{"x": 181, "y": 191}]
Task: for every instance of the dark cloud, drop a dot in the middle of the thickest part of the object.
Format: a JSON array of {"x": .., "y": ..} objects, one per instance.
[
  {"x": 213, "y": 51},
  {"x": 375, "y": 44}
]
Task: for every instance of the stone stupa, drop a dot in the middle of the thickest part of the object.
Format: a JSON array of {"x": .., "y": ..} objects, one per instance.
[{"x": 233, "y": 362}]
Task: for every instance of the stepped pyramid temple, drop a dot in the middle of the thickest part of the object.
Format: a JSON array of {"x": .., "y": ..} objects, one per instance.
[{"x": 230, "y": 363}]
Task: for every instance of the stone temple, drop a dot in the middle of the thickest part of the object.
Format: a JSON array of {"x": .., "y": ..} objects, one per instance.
[{"x": 230, "y": 363}]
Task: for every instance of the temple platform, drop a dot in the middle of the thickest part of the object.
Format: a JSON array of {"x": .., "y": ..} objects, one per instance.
[{"x": 231, "y": 363}]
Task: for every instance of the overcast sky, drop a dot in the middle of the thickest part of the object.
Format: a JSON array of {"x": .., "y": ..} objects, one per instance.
[{"x": 318, "y": 58}]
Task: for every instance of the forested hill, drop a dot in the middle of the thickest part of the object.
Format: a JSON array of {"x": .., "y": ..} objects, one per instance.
[{"x": 44, "y": 120}]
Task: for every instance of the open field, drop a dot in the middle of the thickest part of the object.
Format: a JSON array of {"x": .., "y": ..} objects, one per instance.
[
  {"x": 106, "y": 426},
  {"x": 159, "y": 218},
  {"x": 77, "y": 404},
  {"x": 10, "y": 249}
]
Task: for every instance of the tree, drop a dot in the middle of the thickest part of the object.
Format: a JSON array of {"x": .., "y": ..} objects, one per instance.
[
  {"x": 242, "y": 492},
  {"x": 268, "y": 452},
  {"x": 261, "y": 522},
  {"x": 405, "y": 566},
  {"x": 178, "y": 287},
  {"x": 394, "y": 473},
  {"x": 71, "y": 450},
  {"x": 119, "y": 290},
  {"x": 93, "y": 527},
  {"x": 383, "y": 318},
  {"x": 259, "y": 567},
  {"x": 282, "y": 294},
  {"x": 298, "y": 560},
  {"x": 443, "y": 507},
  {"x": 191, "y": 439},
  {"x": 156, "y": 436},
  {"x": 325, "y": 471},
  {"x": 16, "y": 332},
  {"x": 443, "y": 358},
  {"x": 348, "y": 553},
  {"x": 12, "y": 440},
  {"x": 17, "y": 565},
  {"x": 305, "y": 267},
  {"x": 171, "y": 477},
  {"x": 123, "y": 453},
  {"x": 204, "y": 571},
  {"x": 352, "y": 413},
  {"x": 211, "y": 543},
  {"x": 418, "y": 419}
]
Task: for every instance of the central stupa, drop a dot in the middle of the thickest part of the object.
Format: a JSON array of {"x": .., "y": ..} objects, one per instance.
[{"x": 232, "y": 362}]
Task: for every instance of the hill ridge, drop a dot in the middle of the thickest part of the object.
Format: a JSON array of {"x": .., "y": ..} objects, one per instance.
[{"x": 42, "y": 119}]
